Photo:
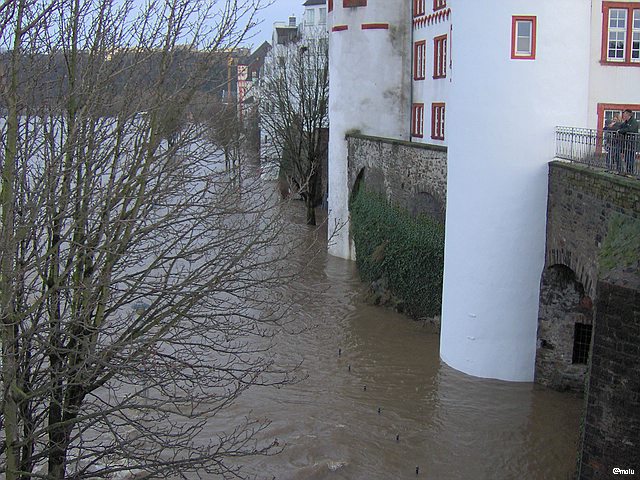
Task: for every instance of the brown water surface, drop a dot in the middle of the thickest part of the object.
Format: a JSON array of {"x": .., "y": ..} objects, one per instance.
[{"x": 378, "y": 401}]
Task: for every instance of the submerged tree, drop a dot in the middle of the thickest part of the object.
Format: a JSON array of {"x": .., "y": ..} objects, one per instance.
[
  {"x": 133, "y": 273},
  {"x": 294, "y": 95}
]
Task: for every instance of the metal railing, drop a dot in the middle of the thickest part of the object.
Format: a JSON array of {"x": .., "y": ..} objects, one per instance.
[{"x": 602, "y": 149}]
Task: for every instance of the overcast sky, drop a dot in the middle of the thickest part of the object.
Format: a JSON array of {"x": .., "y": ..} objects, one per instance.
[{"x": 279, "y": 11}]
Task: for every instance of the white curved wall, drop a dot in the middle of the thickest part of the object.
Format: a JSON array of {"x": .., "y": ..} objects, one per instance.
[
  {"x": 501, "y": 117},
  {"x": 370, "y": 91}
]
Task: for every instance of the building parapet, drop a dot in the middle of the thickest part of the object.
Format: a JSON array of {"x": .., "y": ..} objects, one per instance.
[{"x": 393, "y": 141}]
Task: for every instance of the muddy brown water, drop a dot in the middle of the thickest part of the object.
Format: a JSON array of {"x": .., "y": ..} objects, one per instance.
[{"x": 378, "y": 403}]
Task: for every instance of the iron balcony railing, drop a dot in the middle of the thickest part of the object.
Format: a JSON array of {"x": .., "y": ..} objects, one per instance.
[{"x": 602, "y": 149}]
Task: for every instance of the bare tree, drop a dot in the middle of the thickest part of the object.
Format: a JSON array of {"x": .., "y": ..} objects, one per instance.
[
  {"x": 294, "y": 91},
  {"x": 226, "y": 131},
  {"x": 135, "y": 277}
]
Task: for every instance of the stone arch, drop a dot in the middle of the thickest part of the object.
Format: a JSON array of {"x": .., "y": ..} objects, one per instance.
[
  {"x": 565, "y": 320},
  {"x": 585, "y": 271},
  {"x": 357, "y": 184}
]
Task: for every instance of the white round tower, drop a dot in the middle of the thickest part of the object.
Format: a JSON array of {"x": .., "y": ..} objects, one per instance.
[
  {"x": 520, "y": 68},
  {"x": 369, "y": 90}
]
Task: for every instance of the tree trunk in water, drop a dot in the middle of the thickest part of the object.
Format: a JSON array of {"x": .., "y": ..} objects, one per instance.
[{"x": 311, "y": 210}]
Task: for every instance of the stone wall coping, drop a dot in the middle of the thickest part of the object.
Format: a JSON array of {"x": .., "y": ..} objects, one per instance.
[
  {"x": 394, "y": 141},
  {"x": 597, "y": 173}
]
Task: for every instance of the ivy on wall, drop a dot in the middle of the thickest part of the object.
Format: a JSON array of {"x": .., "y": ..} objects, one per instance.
[
  {"x": 407, "y": 252},
  {"x": 621, "y": 246}
]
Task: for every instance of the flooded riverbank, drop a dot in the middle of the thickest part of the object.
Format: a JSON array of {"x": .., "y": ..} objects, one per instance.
[{"x": 377, "y": 402}]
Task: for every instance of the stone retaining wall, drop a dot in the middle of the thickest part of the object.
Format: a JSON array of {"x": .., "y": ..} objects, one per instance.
[
  {"x": 411, "y": 175},
  {"x": 582, "y": 202}
]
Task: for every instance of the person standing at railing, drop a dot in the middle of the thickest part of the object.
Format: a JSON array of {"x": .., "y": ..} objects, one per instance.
[
  {"x": 628, "y": 132},
  {"x": 612, "y": 142}
]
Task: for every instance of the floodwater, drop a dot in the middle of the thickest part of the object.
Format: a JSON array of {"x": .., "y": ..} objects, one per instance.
[{"x": 378, "y": 403}]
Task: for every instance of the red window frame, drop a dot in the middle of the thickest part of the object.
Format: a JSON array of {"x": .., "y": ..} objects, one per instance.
[
  {"x": 514, "y": 40},
  {"x": 330, "y": 6},
  {"x": 417, "y": 120},
  {"x": 354, "y": 3},
  {"x": 626, "y": 61},
  {"x": 419, "y": 60},
  {"x": 418, "y": 8},
  {"x": 437, "y": 120},
  {"x": 439, "y": 4},
  {"x": 614, "y": 106},
  {"x": 440, "y": 56}
]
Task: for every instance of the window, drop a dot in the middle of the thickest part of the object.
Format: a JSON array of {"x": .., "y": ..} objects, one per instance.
[
  {"x": 323, "y": 16},
  {"x": 440, "y": 57},
  {"x": 635, "y": 37},
  {"x": 621, "y": 33},
  {"x": 330, "y": 5},
  {"x": 418, "y": 7},
  {"x": 354, "y": 3},
  {"x": 437, "y": 121},
  {"x": 310, "y": 16},
  {"x": 523, "y": 37},
  {"x": 438, "y": 4},
  {"x": 417, "y": 120},
  {"x": 609, "y": 114},
  {"x": 581, "y": 343},
  {"x": 606, "y": 111},
  {"x": 419, "y": 61}
]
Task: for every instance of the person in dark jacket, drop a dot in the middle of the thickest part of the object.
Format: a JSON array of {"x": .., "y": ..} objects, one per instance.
[{"x": 628, "y": 133}]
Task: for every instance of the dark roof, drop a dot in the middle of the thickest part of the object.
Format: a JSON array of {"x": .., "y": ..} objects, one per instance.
[{"x": 308, "y": 3}]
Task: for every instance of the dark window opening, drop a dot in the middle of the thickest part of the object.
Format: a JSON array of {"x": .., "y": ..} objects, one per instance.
[{"x": 581, "y": 343}]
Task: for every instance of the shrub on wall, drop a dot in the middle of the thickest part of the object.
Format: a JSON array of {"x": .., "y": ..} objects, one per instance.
[
  {"x": 621, "y": 248},
  {"x": 406, "y": 252}
]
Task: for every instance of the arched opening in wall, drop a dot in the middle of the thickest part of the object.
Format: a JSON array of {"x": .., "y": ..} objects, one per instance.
[
  {"x": 565, "y": 322},
  {"x": 357, "y": 185}
]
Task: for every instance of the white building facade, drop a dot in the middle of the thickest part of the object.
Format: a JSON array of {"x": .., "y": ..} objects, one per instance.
[
  {"x": 369, "y": 90},
  {"x": 490, "y": 80},
  {"x": 431, "y": 71},
  {"x": 289, "y": 40}
]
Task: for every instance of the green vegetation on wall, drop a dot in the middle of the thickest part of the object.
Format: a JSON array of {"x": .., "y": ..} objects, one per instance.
[
  {"x": 621, "y": 247},
  {"x": 406, "y": 252}
]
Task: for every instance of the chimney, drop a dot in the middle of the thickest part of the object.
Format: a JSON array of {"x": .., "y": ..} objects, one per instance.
[{"x": 292, "y": 21}]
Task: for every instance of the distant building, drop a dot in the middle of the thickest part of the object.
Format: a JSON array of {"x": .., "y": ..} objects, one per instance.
[
  {"x": 248, "y": 76},
  {"x": 290, "y": 39}
]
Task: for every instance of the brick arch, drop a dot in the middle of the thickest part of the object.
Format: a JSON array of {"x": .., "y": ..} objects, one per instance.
[{"x": 559, "y": 255}]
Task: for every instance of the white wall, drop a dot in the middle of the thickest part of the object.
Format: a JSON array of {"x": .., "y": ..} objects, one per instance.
[
  {"x": 369, "y": 87},
  {"x": 500, "y": 130},
  {"x": 431, "y": 90}
]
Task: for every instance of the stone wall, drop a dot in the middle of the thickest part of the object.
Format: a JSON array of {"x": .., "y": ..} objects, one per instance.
[
  {"x": 581, "y": 205},
  {"x": 563, "y": 304},
  {"x": 611, "y": 438},
  {"x": 411, "y": 175}
]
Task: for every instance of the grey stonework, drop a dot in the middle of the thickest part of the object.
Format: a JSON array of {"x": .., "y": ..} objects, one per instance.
[
  {"x": 410, "y": 175},
  {"x": 611, "y": 434},
  {"x": 563, "y": 304},
  {"x": 581, "y": 204}
]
